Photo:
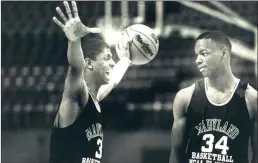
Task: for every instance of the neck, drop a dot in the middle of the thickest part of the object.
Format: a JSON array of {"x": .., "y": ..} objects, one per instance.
[
  {"x": 92, "y": 85},
  {"x": 222, "y": 81}
]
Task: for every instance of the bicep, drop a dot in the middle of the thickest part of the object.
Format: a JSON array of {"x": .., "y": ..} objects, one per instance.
[
  {"x": 179, "y": 114},
  {"x": 75, "y": 97},
  {"x": 71, "y": 107},
  {"x": 251, "y": 99},
  {"x": 67, "y": 113},
  {"x": 253, "y": 140},
  {"x": 74, "y": 83},
  {"x": 180, "y": 105}
]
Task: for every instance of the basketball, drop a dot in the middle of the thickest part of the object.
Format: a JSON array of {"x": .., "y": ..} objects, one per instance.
[{"x": 145, "y": 43}]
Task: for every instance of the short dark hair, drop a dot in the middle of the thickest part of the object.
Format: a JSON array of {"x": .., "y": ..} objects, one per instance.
[
  {"x": 93, "y": 46},
  {"x": 217, "y": 36}
]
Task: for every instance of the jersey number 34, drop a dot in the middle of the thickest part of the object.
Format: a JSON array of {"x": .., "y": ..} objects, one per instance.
[{"x": 221, "y": 144}]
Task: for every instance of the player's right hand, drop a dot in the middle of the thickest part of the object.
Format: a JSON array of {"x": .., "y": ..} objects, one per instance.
[
  {"x": 122, "y": 48},
  {"x": 73, "y": 28}
]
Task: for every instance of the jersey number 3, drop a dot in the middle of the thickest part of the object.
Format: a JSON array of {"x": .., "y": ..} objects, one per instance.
[
  {"x": 221, "y": 144},
  {"x": 98, "y": 154}
]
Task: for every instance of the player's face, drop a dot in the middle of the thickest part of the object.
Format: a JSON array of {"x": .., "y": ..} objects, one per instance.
[
  {"x": 104, "y": 65},
  {"x": 208, "y": 57}
]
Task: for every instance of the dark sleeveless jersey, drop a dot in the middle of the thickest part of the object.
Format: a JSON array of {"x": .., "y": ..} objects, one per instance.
[
  {"x": 217, "y": 133},
  {"x": 82, "y": 141}
]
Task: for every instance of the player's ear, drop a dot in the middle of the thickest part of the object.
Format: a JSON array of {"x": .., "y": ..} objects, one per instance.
[
  {"x": 88, "y": 64},
  {"x": 225, "y": 53}
]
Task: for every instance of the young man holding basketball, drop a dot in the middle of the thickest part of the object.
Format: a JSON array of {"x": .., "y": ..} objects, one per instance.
[
  {"x": 215, "y": 117},
  {"x": 77, "y": 135}
]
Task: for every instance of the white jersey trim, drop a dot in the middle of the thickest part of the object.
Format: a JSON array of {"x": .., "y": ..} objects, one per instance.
[
  {"x": 96, "y": 103},
  {"x": 224, "y": 103}
]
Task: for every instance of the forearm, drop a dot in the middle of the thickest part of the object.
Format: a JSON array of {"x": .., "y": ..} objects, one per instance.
[
  {"x": 254, "y": 160},
  {"x": 177, "y": 155},
  {"x": 254, "y": 143},
  {"x": 178, "y": 141},
  {"x": 75, "y": 55},
  {"x": 119, "y": 70},
  {"x": 116, "y": 76}
]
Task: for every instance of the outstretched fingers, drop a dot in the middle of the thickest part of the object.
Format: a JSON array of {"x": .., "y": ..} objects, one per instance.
[
  {"x": 128, "y": 42},
  {"x": 61, "y": 14},
  {"x": 68, "y": 11},
  {"x": 58, "y": 22},
  {"x": 75, "y": 9},
  {"x": 117, "y": 47}
]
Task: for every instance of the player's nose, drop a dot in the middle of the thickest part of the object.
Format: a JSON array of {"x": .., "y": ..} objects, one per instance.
[
  {"x": 198, "y": 60},
  {"x": 112, "y": 63}
]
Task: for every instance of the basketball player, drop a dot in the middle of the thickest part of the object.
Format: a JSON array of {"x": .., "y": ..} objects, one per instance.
[
  {"x": 77, "y": 135},
  {"x": 215, "y": 117}
]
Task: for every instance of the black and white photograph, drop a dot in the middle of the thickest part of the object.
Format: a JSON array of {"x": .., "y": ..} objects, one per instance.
[{"x": 129, "y": 81}]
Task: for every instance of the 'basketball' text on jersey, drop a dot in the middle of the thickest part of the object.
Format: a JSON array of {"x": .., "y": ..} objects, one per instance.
[
  {"x": 210, "y": 156},
  {"x": 215, "y": 125}
]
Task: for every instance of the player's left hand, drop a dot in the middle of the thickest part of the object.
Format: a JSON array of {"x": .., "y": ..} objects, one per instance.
[
  {"x": 73, "y": 28},
  {"x": 122, "y": 48}
]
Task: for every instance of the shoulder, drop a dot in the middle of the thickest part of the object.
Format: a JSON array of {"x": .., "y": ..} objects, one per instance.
[
  {"x": 186, "y": 93},
  {"x": 80, "y": 95},
  {"x": 251, "y": 99},
  {"x": 182, "y": 99},
  {"x": 251, "y": 92}
]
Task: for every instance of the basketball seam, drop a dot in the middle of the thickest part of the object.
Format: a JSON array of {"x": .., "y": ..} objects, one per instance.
[
  {"x": 137, "y": 47},
  {"x": 122, "y": 40},
  {"x": 145, "y": 36}
]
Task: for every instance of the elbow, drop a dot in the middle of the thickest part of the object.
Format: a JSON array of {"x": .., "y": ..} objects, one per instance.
[
  {"x": 255, "y": 156},
  {"x": 178, "y": 149},
  {"x": 177, "y": 155}
]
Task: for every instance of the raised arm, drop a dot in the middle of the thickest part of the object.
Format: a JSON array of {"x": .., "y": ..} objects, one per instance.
[
  {"x": 251, "y": 99},
  {"x": 119, "y": 69},
  {"x": 117, "y": 74},
  {"x": 74, "y": 31},
  {"x": 75, "y": 85},
  {"x": 178, "y": 142}
]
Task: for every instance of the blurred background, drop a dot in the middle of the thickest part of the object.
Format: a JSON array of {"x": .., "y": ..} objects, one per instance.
[{"x": 138, "y": 114}]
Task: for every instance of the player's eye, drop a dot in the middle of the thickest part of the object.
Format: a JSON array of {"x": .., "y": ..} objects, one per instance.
[
  {"x": 107, "y": 58},
  {"x": 203, "y": 53}
]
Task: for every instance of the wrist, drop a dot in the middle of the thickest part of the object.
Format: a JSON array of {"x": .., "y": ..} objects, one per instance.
[
  {"x": 126, "y": 60},
  {"x": 76, "y": 41}
]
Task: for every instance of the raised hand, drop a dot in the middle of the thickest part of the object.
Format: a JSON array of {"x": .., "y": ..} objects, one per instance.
[
  {"x": 73, "y": 28},
  {"x": 122, "y": 47}
]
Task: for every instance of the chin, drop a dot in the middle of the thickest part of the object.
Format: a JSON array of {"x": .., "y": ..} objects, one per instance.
[
  {"x": 205, "y": 73},
  {"x": 106, "y": 80}
]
